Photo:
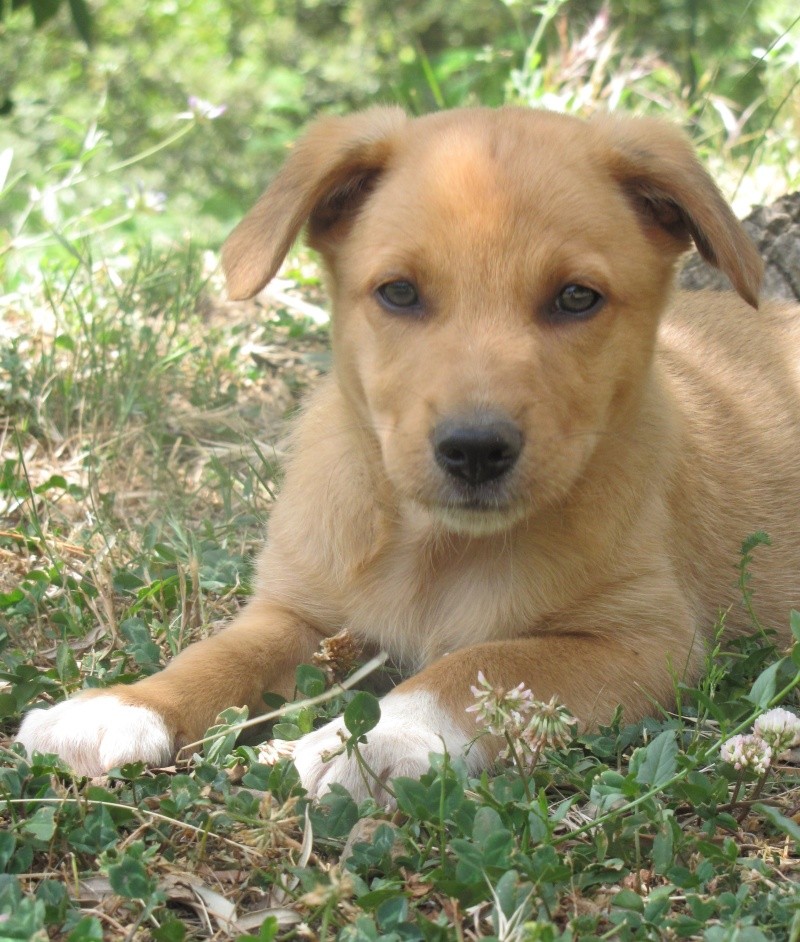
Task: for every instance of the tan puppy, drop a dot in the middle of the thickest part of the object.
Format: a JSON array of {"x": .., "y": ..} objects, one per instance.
[{"x": 532, "y": 458}]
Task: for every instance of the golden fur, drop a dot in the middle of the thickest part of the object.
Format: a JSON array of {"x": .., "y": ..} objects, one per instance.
[{"x": 658, "y": 434}]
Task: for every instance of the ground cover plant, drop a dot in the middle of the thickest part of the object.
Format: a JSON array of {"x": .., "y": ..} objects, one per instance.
[{"x": 140, "y": 440}]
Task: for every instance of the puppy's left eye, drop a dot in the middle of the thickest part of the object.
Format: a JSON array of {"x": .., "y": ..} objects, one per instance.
[
  {"x": 577, "y": 301},
  {"x": 399, "y": 296}
]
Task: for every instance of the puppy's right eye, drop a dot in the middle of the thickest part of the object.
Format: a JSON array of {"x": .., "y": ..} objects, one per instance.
[
  {"x": 400, "y": 297},
  {"x": 577, "y": 302}
]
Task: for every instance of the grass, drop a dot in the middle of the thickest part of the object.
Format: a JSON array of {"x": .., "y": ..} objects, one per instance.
[{"x": 132, "y": 498}]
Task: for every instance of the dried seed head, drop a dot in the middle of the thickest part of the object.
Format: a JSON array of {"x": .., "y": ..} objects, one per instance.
[{"x": 337, "y": 655}]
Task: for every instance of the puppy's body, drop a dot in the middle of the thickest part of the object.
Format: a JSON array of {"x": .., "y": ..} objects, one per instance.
[
  {"x": 520, "y": 464},
  {"x": 639, "y": 541}
]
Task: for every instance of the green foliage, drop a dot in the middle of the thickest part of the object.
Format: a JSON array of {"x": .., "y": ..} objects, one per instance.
[
  {"x": 629, "y": 832},
  {"x": 267, "y": 932},
  {"x": 44, "y": 10},
  {"x": 129, "y": 135},
  {"x": 362, "y": 714}
]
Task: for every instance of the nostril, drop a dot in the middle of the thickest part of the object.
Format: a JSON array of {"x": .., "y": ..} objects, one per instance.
[
  {"x": 500, "y": 456},
  {"x": 477, "y": 451},
  {"x": 453, "y": 454}
]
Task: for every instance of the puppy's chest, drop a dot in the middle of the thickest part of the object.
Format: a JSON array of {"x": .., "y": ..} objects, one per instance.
[{"x": 420, "y": 606}]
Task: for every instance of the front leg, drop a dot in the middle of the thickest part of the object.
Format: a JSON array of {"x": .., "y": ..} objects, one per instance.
[
  {"x": 589, "y": 674},
  {"x": 149, "y": 721}
]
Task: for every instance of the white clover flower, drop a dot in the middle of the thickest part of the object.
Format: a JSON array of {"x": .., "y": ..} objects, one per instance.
[
  {"x": 531, "y": 725},
  {"x": 519, "y": 701},
  {"x": 780, "y": 729},
  {"x": 550, "y": 726},
  {"x": 747, "y": 752},
  {"x": 498, "y": 709}
]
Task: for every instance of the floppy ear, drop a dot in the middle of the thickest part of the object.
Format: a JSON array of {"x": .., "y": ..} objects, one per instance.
[
  {"x": 656, "y": 166},
  {"x": 326, "y": 175}
]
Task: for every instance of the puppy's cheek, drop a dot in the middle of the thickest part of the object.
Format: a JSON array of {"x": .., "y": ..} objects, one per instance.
[
  {"x": 95, "y": 734},
  {"x": 405, "y": 444},
  {"x": 412, "y": 726},
  {"x": 410, "y": 467}
]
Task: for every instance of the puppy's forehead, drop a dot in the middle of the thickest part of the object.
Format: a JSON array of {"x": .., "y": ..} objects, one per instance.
[
  {"x": 447, "y": 165},
  {"x": 487, "y": 149},
  {"x": 494, "y": 165},
  {"x": 482, "y": 182}
]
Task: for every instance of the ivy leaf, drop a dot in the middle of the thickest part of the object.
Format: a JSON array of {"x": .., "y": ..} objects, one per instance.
[
  {"x": 362, "y": 714},
  {"x": 659, "y": 763},
  {"x": 763, "y": 690}
]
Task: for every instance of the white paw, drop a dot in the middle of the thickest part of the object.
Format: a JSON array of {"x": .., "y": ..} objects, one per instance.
[
  {"x": 97, "y": 733},
  {"x": 412, "y": 725}
]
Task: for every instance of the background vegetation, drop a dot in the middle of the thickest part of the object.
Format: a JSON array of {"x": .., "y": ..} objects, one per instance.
[
  {"x": 139, "y": 415},
  {"x": 728, "y": 71}
]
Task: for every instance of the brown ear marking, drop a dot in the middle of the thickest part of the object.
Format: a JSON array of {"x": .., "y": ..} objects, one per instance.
[
  {"x": 657, "y": 168},
  {"x": 339, "y": 203},
  {"x": 328, "y": 170}
]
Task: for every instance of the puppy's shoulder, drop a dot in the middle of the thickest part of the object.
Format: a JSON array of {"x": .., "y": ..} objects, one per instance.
[
  {"x": 331, "y": 514},
  {"x": 721, "y": 324}
]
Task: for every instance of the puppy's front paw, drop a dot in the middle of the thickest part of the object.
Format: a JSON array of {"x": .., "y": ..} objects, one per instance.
[
  {"x": 412, "y": 725},
  {"x": 94, "y": 733}
]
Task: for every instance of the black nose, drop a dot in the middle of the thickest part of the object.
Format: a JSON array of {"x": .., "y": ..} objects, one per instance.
[{"x": 476, "y": 451}]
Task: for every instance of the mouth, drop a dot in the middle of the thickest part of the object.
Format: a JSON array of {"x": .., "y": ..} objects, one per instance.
[
  {"x": 475, "y": 454},
  {"x": 477, "y": 518}
]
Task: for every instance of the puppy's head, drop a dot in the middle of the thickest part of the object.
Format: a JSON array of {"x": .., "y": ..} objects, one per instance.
[{"x": 497, "y": 279}]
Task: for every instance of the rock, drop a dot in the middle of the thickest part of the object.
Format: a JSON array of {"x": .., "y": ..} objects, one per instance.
[{"x": 775, "y": 229}]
